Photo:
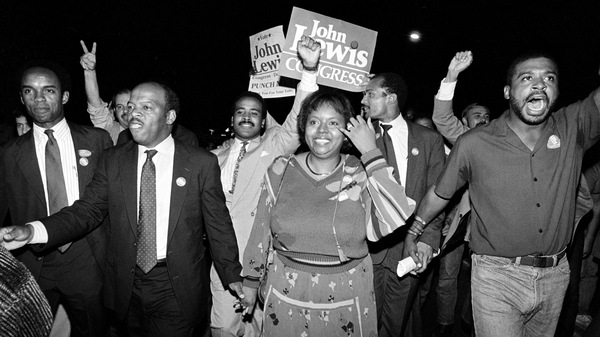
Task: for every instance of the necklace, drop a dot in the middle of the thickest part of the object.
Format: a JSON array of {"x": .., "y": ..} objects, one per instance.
[{"x": 322, "y": 174}]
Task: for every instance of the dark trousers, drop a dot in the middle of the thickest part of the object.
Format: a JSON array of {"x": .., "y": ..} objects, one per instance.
[
  {"x": 395, "y": 298},
  {"x": 75, "y": 280},
  {"x": 154, "y": 310}
]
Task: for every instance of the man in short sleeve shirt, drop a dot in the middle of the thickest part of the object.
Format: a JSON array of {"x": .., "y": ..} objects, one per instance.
[{"x": 523, "y": 170}]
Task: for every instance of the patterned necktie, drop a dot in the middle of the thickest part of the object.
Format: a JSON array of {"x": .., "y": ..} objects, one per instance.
[
  {"x": 55, "y": 180},
  {"x": 388, "y": 148},
  {"x": 237, "y": 166},
  {"x": 146, "y": 245}
]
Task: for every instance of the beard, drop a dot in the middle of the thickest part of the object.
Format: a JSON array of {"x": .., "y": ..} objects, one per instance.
[{"x": 519, "y": 107}]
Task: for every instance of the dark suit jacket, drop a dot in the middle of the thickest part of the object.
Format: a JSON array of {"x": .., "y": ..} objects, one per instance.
[
  {"x": 197, "y": 205},
  {"x": 179, "y": 131},
  {"x": 426, "y": 159},
  {"x": 22, "y": 190}
]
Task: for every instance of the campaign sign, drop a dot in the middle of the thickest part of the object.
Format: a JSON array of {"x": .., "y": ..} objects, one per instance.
[
  {"x": 265, "y": 55},
  {"x": 347, "y": 50}
]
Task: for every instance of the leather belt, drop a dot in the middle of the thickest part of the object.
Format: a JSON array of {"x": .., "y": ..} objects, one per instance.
[
  {"x": 161, "y": 262},
  {"x": 540, "y": 261}
]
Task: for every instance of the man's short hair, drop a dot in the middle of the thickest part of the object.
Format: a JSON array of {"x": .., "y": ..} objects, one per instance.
[
  {"x": 256, "y": 96},
  {"x": 113, "y": 101},
  {"x": 533, "y": 54},
  {"x": 471, "y": 106},
  {"x": 61, "y": 73},
  {"x": 171, "y": 99},
  {"x": 19, "y": 112},
  {"x": 393, "y": 83}
]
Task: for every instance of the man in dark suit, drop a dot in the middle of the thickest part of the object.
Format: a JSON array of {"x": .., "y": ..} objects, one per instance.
[
  {"x": 72, "y": 276},
  {"x": 156, "y": 256},
  {"x": 417, "y": 155}
]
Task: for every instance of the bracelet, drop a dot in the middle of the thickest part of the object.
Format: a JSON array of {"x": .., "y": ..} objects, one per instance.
[
  {"x": 418, "y": 226},
  {"x": 421, "y": 221},
  {"x": 315, "y": 68}
]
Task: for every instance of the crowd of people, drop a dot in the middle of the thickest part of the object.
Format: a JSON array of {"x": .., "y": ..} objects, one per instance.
[{"x": 300, "y": 228}]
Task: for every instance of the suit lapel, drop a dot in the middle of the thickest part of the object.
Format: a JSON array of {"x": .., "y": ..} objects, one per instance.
[
  {"x": 246, "y": 173},
  {"x": 182, "y": 169},
  {"x": 28, "y": 164},
  {"x": 415, "y": 155},
  {"x": 128, "y": 169},
  {"x": 84, "y": 173}
]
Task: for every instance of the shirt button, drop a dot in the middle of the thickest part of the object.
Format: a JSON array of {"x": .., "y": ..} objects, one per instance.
[
  {"x": 538, "y": 204},
  {"x": 540, "y": 230},
  {"x": 534, "y": 179},
  {"x": 252, "y": 213},
  {"x": 533, "y": 155}
]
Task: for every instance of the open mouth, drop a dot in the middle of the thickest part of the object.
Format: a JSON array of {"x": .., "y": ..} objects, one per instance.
[
  {"x": 321, "y": 141},
  {"x": 537, "y": 101},
  {"x": 135, "y": 124}
]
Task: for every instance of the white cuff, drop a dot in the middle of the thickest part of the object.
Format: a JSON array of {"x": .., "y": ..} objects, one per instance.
[
  {"x": 308, "y": 81},
  {"x": 40, "y": 235},
  {"x": 446, "y": 92}
]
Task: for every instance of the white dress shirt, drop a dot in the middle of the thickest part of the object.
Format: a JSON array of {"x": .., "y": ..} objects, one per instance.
[
  {"x": 68, "y": 159},
  {"x": 163, "y": 161},
  {"x": 399, "y": 135}
]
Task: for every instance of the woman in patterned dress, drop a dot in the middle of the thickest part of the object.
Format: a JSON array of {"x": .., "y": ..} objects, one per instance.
[{"x": 309, "y": 239}]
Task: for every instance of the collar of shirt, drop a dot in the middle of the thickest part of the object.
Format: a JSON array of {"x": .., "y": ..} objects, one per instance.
[
  {"x": 399, "y": 135},
  {"x": 252, "y": 144},
  {"x": 61, "y": 130},
  {"x": 398, "y": 125},
  {"x": 167, "y": 146}
]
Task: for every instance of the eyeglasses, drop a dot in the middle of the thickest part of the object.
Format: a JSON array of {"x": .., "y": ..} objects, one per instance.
[{"x": 373, "y": 94}]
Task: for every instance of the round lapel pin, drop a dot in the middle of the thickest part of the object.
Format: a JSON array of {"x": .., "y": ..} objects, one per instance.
[{"x": 180, "y": 181}]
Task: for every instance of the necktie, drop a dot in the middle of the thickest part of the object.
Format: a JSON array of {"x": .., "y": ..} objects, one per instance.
[
  {"x": 388, "y": 148},
  {"x": 146, "y": 245},
  {"x": 55, "y": 180},
  {"x": 237, "y": 166}
]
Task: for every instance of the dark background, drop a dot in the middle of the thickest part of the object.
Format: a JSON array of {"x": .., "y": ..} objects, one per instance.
[{"x": 201, "y": 48}]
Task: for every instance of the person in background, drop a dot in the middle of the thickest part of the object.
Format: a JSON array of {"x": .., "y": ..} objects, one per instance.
[
  {"x": 110, "y": 117},
  {"x": 417, "y": 155},
  {"x": 22, "y": 121},
  {"x": 451, "y": 128},
  {"x": 113, "y": 117},
  {"x": 244, "y": 160}
]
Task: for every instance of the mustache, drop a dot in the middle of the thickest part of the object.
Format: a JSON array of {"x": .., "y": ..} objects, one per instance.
[
  {"x": 537, "y": 93},
  {"x": 246, "y": 122}
]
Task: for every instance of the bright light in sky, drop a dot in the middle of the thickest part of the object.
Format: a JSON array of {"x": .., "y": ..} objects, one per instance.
[{"x": 415, "y": 36}]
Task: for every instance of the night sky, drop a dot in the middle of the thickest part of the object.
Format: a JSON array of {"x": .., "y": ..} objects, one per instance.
[{"x": 201, "y": 48}]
